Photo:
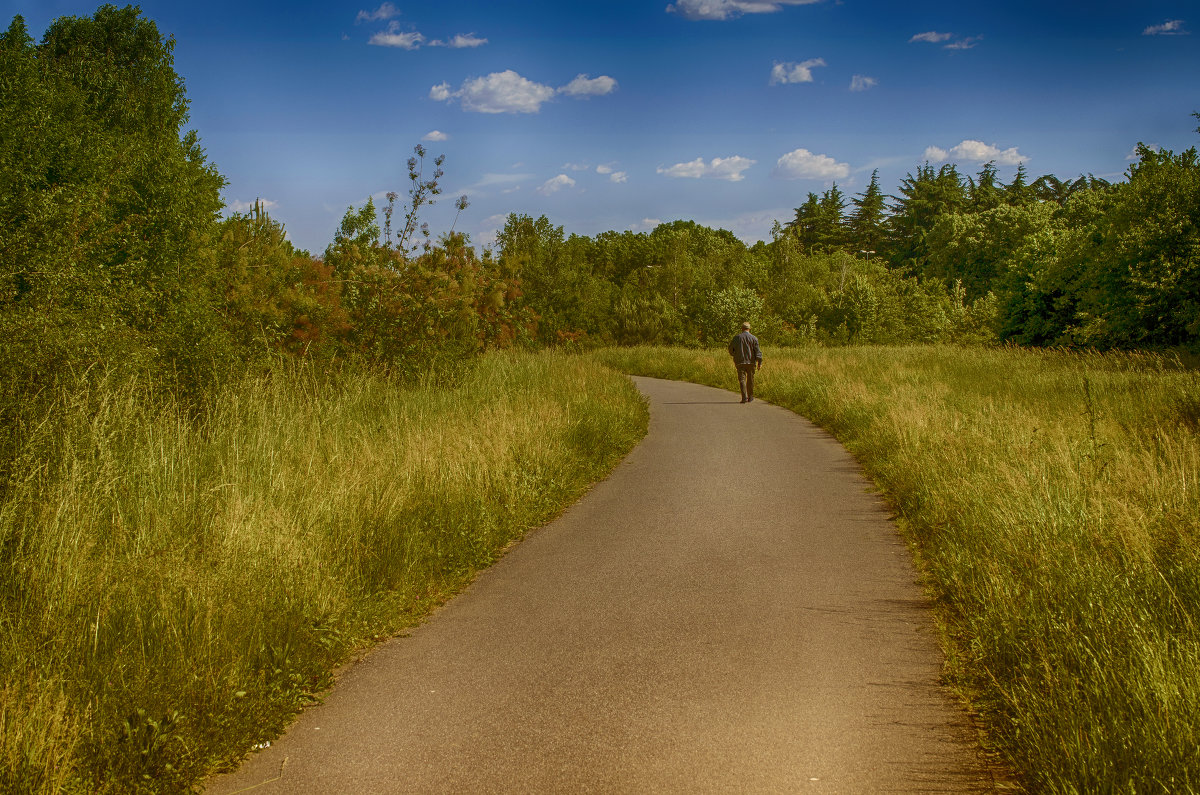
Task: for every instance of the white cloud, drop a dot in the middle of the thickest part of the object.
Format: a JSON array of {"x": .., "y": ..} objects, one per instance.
[
  {"x": 933, "y": 37},
  {"x": 385, "y": 11},
  {"x": 602, "y": 169},
  {"x": 795, "y": 72},
  {"x": 618, "y": 177},
  {"x": 974, "y": 151},
  {"x": 646, "y": 225},
  {"x": 583, "y": 86},
  {"x": 392, "y": 37},
  {"x": 693, "y": 170},
  {"x": 803, "y": 164},
  {"x": 964, "y": 44},
  {"x": 725, "y": 9},
  {"x": 435, "y": 135},
  {"x": 862, "y": 83},
  {"x": 508, "y": 92},
  {"x": 245, "y": 207},
  {"x": 1172, "y": 27},
  {"x": 726, "y": 168},
  {"x": 460, "y": 41},
  {"x": 577, "y": 167},
  {"x": 499, "y": 92},
  {"x": 555, "y": 184}
]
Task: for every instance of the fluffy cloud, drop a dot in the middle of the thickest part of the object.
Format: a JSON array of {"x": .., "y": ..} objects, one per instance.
[
  {"x": 933, "y": 37},
  {"x": 435, "y": 135},
  {"x": 803, "y": 164},
  {"x": 460, "y": 41},
  {"x": 508, "y": 92},
  {"x": 973, "y": 151},
  {"x": 726, "y": 168},
  {"x": 725, "y": 9},
  {"x": 862, "y": 83},
  {"x": 795, "y": 72},
  {"x": 555, "y": 184},
  {"x": 392, "y": 37},
  {"x": 385, "y": 11},
  {"x": 499, "y": 92},
  {"x": 583, "y": 86},
  {"x": 1172, "y": 27},
  {"x": 612, "y": 174},
  {"x": 245, "y": 207}
]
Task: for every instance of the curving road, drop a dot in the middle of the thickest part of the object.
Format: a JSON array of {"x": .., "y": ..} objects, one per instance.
[{"x": 731, "y": 611}]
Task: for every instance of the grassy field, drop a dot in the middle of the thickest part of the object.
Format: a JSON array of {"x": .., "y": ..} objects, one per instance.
[
  {"x": 175, "y": 588},
  {"x": 1052, "y": 500}
]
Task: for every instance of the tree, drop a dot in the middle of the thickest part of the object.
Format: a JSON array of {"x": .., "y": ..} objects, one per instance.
[
  {"x": 1019, "y": 192},
  {"x": 867, "y": 224},
  {"x": 976, "y": 249},
  {"x": 106, "y": 203},
  {"x": 818, "y": 224},
  {"x": 923, "y": 199},
  {"x": 276, "y": 296},
  {"x": 984, "y": 194},
  {"x": 803, "y": 227},
  {"x": 830, "y": 230}
]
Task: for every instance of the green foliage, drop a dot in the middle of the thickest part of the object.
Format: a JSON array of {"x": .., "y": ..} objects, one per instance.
[
  {"x": 105, "y": 202},
  {"x": 106, "y": 207},
  {"x": 723, "y": 313},
  {"x": 1118, "y": 268},
  {"x": 276, "y": 297},
  {"x": 866, "y": 228},
  {"x": 977, "y": 248}
]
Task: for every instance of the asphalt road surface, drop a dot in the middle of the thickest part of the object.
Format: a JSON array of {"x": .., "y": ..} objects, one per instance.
[{"x": 731, "y": 611}]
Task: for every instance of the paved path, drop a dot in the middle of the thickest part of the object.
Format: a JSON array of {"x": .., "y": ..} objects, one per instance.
[{"x": 731, "y": 611}]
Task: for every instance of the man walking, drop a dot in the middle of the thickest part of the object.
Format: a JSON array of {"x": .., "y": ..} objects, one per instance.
[{"x": 748, "y": 359}]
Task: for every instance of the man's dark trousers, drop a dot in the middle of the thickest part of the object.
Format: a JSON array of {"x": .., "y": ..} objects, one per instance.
[{"x": 746, "y": 381}]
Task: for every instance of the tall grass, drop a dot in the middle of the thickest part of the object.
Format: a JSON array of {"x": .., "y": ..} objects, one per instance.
[
  {"x": 1053, "y": 503},
  {"x": 175, "y": 584}
]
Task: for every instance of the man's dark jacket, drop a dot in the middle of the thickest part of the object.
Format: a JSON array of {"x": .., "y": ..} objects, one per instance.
[{"x": 744, "y": 349}]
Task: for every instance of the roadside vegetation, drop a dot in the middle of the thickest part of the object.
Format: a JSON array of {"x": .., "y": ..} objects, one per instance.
[
  {"x": 175, "y": 587},
  {"x": 1052, "y": 500}
]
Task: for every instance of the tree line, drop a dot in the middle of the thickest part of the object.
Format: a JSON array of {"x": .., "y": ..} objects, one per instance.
[
  {"x": 948, "y": 258},
  {"x": 114, "y": 253}
]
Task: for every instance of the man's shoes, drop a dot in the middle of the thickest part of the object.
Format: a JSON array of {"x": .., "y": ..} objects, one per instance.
[
  {"x": 749, "y": 400},
  {"x": 743, "y": 400}
]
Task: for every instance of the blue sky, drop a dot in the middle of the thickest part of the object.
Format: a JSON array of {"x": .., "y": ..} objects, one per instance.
[{"x": 618, "y": 115}]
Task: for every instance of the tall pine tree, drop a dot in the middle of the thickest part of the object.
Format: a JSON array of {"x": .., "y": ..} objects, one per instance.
[{"x": 867, "y": 223}]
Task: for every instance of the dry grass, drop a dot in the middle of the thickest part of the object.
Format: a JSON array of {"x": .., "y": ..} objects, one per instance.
[
  {"x": 175, "y": 588},
  {"x": 1053, "y": 502}
]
